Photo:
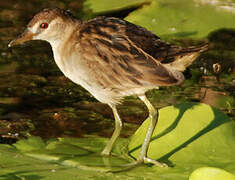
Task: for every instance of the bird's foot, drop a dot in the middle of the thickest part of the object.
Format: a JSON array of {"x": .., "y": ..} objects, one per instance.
[
  {"x": 154, "y": 162},
  {"x": 105, "y": 153},
  {"x": 139, "y": 162}
]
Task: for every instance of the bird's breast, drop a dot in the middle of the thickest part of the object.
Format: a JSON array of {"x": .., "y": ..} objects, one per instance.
[
  {"x": 76, "y": 69},
  {"x": 73, "y": 67}
]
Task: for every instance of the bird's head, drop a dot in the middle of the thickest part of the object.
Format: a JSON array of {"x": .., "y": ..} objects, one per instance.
[{"x": 48, "y": 25}]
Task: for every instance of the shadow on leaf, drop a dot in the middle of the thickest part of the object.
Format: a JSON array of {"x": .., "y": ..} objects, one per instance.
[{"x": 216, "y": 122}]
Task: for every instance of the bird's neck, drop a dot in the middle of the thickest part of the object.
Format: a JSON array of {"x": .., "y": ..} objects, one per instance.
[
  {"x": 64, "y": 35},
  {"x": 62, "y": 45}
]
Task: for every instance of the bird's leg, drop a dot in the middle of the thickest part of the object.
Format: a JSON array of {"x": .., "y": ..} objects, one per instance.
[
  {"x": 118, "y": 127},
  {"x": 153, "y": 116}
]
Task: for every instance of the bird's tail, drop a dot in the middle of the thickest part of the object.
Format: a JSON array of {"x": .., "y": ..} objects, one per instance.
[{"x": 186, "y": 56}]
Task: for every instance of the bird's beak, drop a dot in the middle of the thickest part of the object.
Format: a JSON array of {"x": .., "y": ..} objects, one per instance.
[{"x": 25, "y": 36}]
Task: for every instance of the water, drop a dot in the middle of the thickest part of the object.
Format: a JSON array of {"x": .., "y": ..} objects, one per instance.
[{"x": 35, "y": 98}]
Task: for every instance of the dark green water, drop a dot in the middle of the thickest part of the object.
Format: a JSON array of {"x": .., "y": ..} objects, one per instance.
[{"x": 35, "y": 97}]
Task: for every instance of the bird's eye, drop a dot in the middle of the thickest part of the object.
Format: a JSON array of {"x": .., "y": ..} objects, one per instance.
[{"x": 44, "y": 25}]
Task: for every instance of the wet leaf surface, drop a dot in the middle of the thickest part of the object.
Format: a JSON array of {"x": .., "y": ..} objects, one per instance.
[
  {"x": 105, "y": 6},
  {"x": 188, "y": 143},
  {"x": 187, "y": 18},
  {"x": 210, "y": 173}
]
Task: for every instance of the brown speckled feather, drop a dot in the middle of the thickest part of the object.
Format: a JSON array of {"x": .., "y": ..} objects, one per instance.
[
  {"x": 146, "y": 40},
  {"x": 154, "y": 46},
  {"x": 115, "y": 53}
]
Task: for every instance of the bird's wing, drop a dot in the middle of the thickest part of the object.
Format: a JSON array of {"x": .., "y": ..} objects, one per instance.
[
  {"x": 150, "y": 43},
  {"x": 177, "y": 57},
  {"x": 116, "y": 60}
]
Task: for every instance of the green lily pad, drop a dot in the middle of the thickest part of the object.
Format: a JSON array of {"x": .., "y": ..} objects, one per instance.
[
  {"x": 188, "y": 136},
  {"x": 31, "y": 144},
  {"x": 183, "y": 18},
  {"x": 210, "y": 173},
  {"x": 107, "y": 6}
]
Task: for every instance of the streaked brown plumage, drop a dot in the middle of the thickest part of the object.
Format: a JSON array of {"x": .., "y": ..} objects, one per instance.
[{"x": 111, "y": 58}]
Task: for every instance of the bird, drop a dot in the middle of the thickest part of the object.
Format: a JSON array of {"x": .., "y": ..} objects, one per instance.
[{"x": 112, "y": 58}]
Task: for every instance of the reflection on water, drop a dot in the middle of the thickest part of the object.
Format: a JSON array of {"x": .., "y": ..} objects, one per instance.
[{"x": 36, "y": 98}]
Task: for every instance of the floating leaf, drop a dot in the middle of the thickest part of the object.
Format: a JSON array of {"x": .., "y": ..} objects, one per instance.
[
  {"x": 210, "y": 173},
  {"x": 105, "y": 6},
  {"x": 188, "y": 136},
  {"x": 183, "y": 18},
  {"x": 31, "y": 144}
]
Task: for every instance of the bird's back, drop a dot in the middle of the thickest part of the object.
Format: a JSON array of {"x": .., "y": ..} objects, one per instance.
[{"x": 129, "y": 54}]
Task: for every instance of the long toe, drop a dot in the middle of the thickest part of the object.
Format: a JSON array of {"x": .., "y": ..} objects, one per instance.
[
  {"x": 157, "y": 163},
  {"x": 129, "y": 166},
  {"x": 105, "y": 152}
]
